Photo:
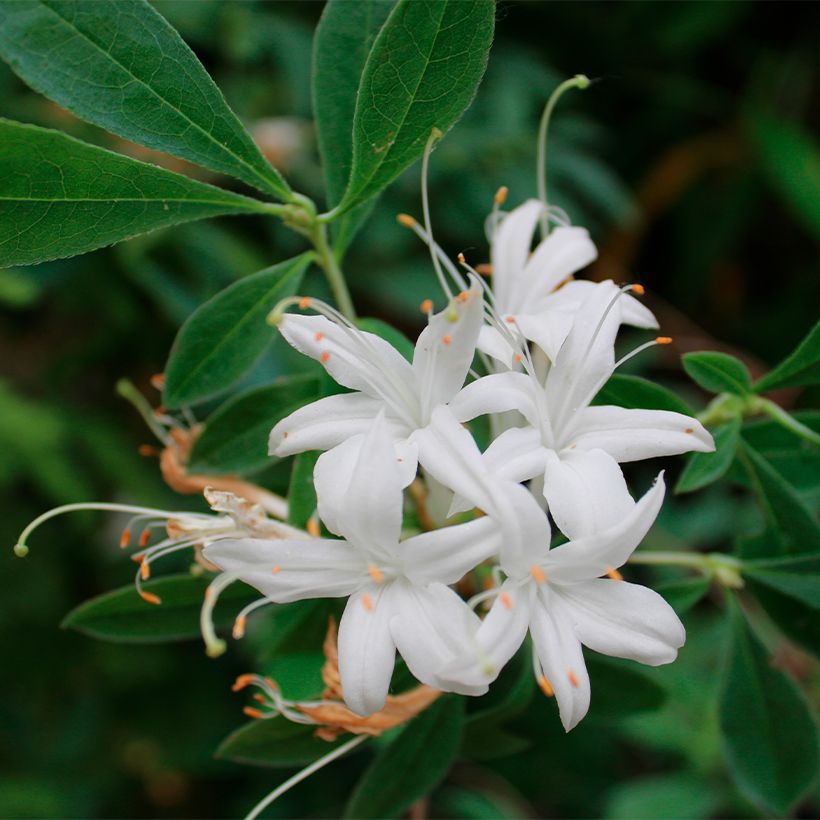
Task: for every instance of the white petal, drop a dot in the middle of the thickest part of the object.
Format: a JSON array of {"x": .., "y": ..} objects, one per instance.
[
  {"x": 510, "y": 250},
  {"x": 367, "y": 652},
  {"x": 594, "y": 555},
  {"x": 632, "y": 435},
  {"x": 323, "y": 424},
  {"x": 637, "y": 314},
  {"x": 445, "y": 349},
  {"x": 586, "y": 492},
  {"x": 354, "y": 358},
  {"x": 447, "y": 554},
  {"x": 495, "y": 394},
  {"x": 624, "y": 620},
  {"x": 565, "y": 251},
  {"x": 548, "y": 329},
  {"x": 491, "y": 342},
  {"x": 561, "y": 657},
  {"x": 292, "y": 570},
  {"x": 431, "y": 627}
]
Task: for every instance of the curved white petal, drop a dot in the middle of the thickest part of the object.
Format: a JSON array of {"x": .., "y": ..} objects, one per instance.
[
  {"x": 367, "y": 652},
  {"x": 632, "y": 435},
  {"x": 495, "y": 394},
  {"x": 510, "y": 250},
  {"x": 447, "y": 554},
  {"x": 586, "y": 492},
  {"x": 624, "y": 620},
  {"x": 561, "y": 657},
  {"x": 445, "y": 349},
  {"x": 431, "y": 627},
  {"x": 594, "y": 555},
  {"x": 566, "y": 250},
  {"x": 637, "y": 314},
  {"x": 548, "y": 329},
  {"x": 493, "y": 343},
  {"x": 288, "y": 570},
  {"x": 323, "y": 424}
]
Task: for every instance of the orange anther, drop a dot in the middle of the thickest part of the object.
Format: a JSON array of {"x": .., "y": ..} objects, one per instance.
[
  {"x": 145, "y": 570},
  {"x": 276, "y": 570},
  {"x": 238, "y": 630},
  {"x": 271, "y": 682},
  {"x": 506, "y": 600},
  {"x": 501, "y": 195},
  {"x": 325, "y": 357},
  {"x": 406, "y": 220},
  {"x": 259, "y": 698},
  {"x": 517, "y": 358},
  {"x": 638, "y": 289},
  {"x": 426, "y": 306},
  {"x": 313, "y": 527},
  {"x": 485, "y": 269},
  {"x": 284, "y": 434},
  {"x": 463, "y": 296},
  {"x": 663, "y": 340},
  {"x": 125, "y": 538},
  {"x": 447, "y": 340},
  {"x": 538, "y": 574},
  {"x": 149, "y": 597},
  {"x": 510, "y": 320},
  {"x": 304, "y": 302},
  {"x": 159, "y": 411},
  {"x": 367, "y": 602},
  {"x": 375, "y": 573},
  {"x": 242, "y": 681},
  {"x": 614, "y": 574},
  {"x": 158, "y": 381},
  {"x": 319, "y": 336},
  {"x": 251, "y": 712},
  {"x": 145, "y": 537},
  {"x": 573, "y": 678},
  {"x": 545, "y": 686},
  {"x": 689, "y": 430},
  {"x": 147, "y": 450}
]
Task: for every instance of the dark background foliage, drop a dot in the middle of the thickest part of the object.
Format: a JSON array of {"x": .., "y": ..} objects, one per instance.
[{"x": 694, "y": 162}]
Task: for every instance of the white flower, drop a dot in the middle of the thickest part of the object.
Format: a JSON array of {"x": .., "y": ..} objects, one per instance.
[
  {"x": 563, "y": 430},
  {"x": 383, "y": 379},
  {"x": 398, "y": 593},
  {"x": 558, "y": 595},
  {"x": 531, "y": 291}
]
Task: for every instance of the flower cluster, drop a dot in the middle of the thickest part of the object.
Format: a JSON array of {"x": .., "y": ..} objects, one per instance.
[{"x": 544, "y": 343}]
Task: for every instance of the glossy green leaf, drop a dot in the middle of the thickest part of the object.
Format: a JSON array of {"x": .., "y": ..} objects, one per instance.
[
  {"x": 422, "y": 73},
  {"x": 718, "y": 372},
  {"x": 298, "y": 674},
  {"x": 634, "y": 392},
  {"x": 275, "y": 742},
  {"x": 703, "y": 469},
  {"x": 483, "y": 742},
  {"x": 413, "y": 764},
  {"x": 769, "y": 733},
  {"x": 801, "y": 367},
  {"x": 798, "y": 578},
  {"x": 389, "y": 334},
  {"x": 60, "y": 197},
  {"x": 120, "y": 65},
  {"x": 223, "y": 338},
  {"x": 798, "y": 622},
  {"x": 302, "y": 494},
  {"x": 681, "y": 795},
  {"x": 794, "y": 527},
  {"x": 235, "y": 439},
  {"x": 480, "y": 802},
  {"x": 620, "y": 688},
  {"x": 683, "y": 595},
  {"x": 768, "y": 436},
  {"x": 123, "y": 616}
]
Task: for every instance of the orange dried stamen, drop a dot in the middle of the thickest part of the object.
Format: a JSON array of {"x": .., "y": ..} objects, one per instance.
[
  {"x": 689, "y": 430},
  {"x": 545, "y": 686},
  {"x": 663, "y": 340},
  {"x": 251, "y": 712},
  {"x": 147, "y": 450},
  {"x": 158, "y": 381},
  {"x": 464, "y": 295},
  {"x": 614, "y": 574},
  {"x": 313, "y": 527},
  {"x": 485, "y": 269},
  {"x": 517, "y": 358},
  {"x": 145, "y": 537},
  {"x": 501, "y": 195},
  {"x": 145, "y": 570},
  {"x": 242, "y": 681},
  {"x": 259, "y": 698},
  {"x": 510, "y": 320},
  {"x": 319, "y": 336},
  {"x": 149, "y": 597},
  {"x": 406, "y": 220},
  {"x": 638, "y": 289},
  {"x": 426, "y": 306},
  {"x": 238, "y": 630},
  {"x": 125, "y": 538},
  {"x": 304, "y": 303}
]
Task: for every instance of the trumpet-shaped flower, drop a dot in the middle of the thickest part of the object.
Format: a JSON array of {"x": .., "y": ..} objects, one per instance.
[
  {"x": 398, "y": 593},
  {"x": 383, "y": 380},
  {"x": 563, "y": 429},
  {"x": 560, "y": 595},
  {"x": 534, "y": 291}
]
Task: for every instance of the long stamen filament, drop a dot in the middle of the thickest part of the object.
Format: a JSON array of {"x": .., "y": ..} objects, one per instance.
[
  {"x": 126, "y": 390},
  {"x": 214, "y": 646},
  {"x": 435, "y": 135},
  {"x": 409, "y": 222}
]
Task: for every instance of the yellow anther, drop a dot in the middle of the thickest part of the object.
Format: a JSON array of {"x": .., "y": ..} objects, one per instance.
[
  {"x": 638, "y": 289},
  {"x": 426, "y": 306},
  {"x": 501, "y": 195},
  {"x": 367, "y": 602},
  {"x": 545, "y": 686},
  {"x": 614, "y": 574},
  {"x": 452, "y": 314},
  {"x": 313, "y": 527},
  {"x": 406, "y": 220},
  {"x": 251, "y": 712},
  {"x": 663, "y": 340},
  {"x": 304, "y": 303},
  {"x": 149, "y": 597},
  {"x": 538, "y": 574},
  {"x": 375, "y": 573},
  {"x": 238, "y": 630}
]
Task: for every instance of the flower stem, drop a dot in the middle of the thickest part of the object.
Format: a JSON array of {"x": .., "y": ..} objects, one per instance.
[
  {"x": 725, "y": 568},
  {"x": 784, "y": 419},
  {"x": 333, "y": 273}
]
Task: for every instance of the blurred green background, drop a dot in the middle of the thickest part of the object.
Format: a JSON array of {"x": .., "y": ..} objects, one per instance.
[{"x": 694, "y": 162}]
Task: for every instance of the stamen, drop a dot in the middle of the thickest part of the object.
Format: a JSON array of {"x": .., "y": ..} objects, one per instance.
[
  {"x": 663, "y": 340},
  {"x": 147, "y": 450},
  {"x": 638, "y": 290},
  {"x": 313, "y": 527},
  {"x": 319, "y": 336},
  {"x": 426, "y": 306},
  {"x": 149, "y": 597},
  {"x": 214, "y": 646},
  {"x": 484, "y": 268},
  {"x": 689, "y": 430},
  {"x": 435, "y": 135},
  {"x": 538, "y": 574},
  {"x": 277, "y": 569},
  {"x": 545, "y": 686},
  {"x": 614, "y": 574},
  {"x": 145, "y": 569},
  {"x": 447, "y": 340},
  {"x": 375, "y": 573},
  {"x": 367, "y": 602},
  {"x": 501, "y": 195},
  {"x": 242, "y": 681},
  {"x": 238, "y": 631},
  {"x": 251, "y": 712},
  {"x": 573, "y": 679},
  {"x": 158, "y": 381},
  {"x": 259, "y": 698},
  {"x": 406, "y": 220},
  {"x": 325, "y": 357},
  {"x": 506, "y": 600},
  {"x": 304, "y": 302},
  {"x": 125, "y": 538},
  {"x": 145, "y": 537}
]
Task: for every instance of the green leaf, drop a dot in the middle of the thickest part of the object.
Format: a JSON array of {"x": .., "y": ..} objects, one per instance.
[
  {"x": 235, "y": 439},
  {"x": 703, "y": 469},
  {"x": 60, "y": 197},
  {"x": 637, "y": 393},
  {"x": 123, "y": 616},
  {"x": 413, "y": 764},
  {"x": 509, "y": 695},
  {"x": 620, "y": 688},
  {"x": 680, "y": 795},
  {"x": 224, "y": 337},
  {"x": 800, "y": 623},
  {"x": 791, "y": 158},
  {"x": 479, "y": 802},
  {"x": 769, "y": 436},
  {"x": 801, "y": 367},
  {"x": 120, "y": 65},
  {"x": 491, "y": 742},
  {"x": 302, "y": 494},
  {"x": 683, "y": 595},
  {"x": 791, "y": 522},
  {"x": 389, "y": 334},
  {"x": 718, "y": 372},
  {"x": 298, "y": 674},
  {"x": 769, "y": 733},
  {"x": 275, "y": 742},
  {"x": 799, "y": 578},
  {"x": 422, "y": 73}
]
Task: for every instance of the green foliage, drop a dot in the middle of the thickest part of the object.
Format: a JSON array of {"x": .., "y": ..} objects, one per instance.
[
  {"x": 798, "y": 578},
  {"x": 235, "y": 439},
  {"x": 60, "y": 197},
  {"x": 120, "y": 65},
  {"x": 223, "y": 339},
  {"x": 703, "y": 469},
  {"x": 412, "y": 765},
  {"x": 718, "y": 372},
  {"x": 123, "y": 616},
  {"x": 800, "y": 367},
  {"x": 635, "y": 392},
  {"x": 770, "y": 734},
  {"x": 422, "y": 72},
  {"x": 683, "y": 595},
  {"x": 302, "y": 494}
]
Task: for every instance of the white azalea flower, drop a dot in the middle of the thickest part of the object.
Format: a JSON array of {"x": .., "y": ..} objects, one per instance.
[
  {"x": 559, "y": 595},
  {"x": 398, "y": 593},
  {"x": 383, "y": 380},
  {"x": 563, "y": 430},
  {"x": 531, "y": 290}
]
